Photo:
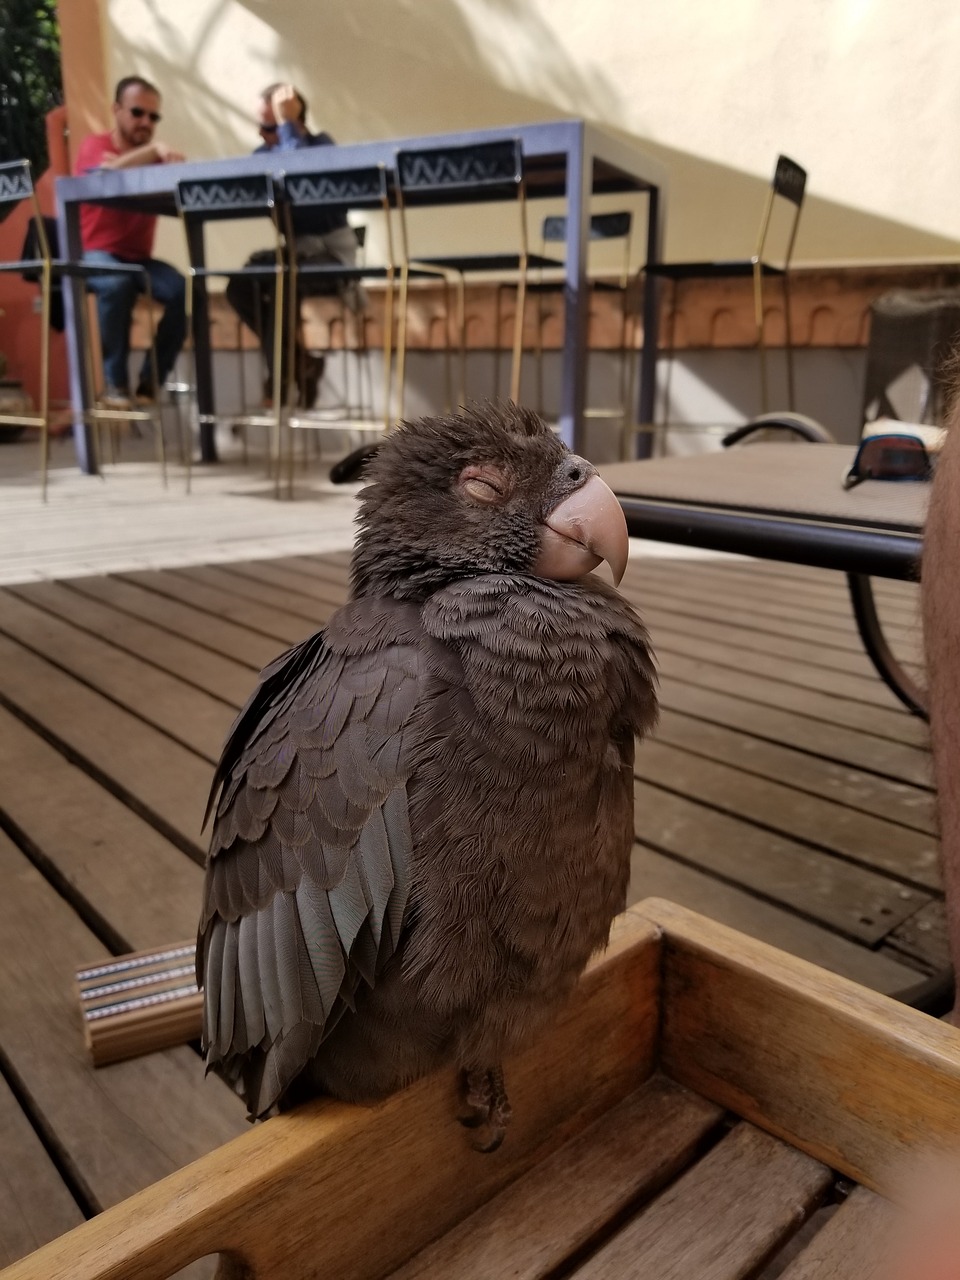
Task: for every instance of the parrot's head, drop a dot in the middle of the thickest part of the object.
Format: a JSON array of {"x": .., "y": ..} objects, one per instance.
[{"x": 488, "y": 490}]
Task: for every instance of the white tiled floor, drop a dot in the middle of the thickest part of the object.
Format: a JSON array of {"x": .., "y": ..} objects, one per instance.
[{"x": 127, "y": 520}]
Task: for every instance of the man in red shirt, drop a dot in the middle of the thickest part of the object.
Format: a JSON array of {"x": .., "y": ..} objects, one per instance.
[{"x": 112, "y": 235}]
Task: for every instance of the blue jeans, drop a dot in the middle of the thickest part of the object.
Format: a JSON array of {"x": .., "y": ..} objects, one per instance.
[{"x": 116, "y": 296}]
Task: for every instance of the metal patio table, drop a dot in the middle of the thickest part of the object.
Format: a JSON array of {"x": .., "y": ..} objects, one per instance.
[
  {"x": 568, "y": 158},
  {"x": 787, "y": 502}
]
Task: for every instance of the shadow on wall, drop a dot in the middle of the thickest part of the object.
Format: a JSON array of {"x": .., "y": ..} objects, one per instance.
[
  {"x": 394, "y": 68},
  {"x": 388, "y": 68}
]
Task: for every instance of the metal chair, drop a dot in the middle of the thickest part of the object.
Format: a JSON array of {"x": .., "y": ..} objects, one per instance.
[
  {"x": 910, "y": 371},
  {"x": 201, "y": 200},
  {"x": 435, "y": 175},
  {"x": 16, "y": 186},
  {"x": 337, "y": 192},
  {"x": 788, "y": 185},
  {"x": 604, "y": 228}
]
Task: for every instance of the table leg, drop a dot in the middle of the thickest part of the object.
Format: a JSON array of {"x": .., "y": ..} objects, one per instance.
[
  {"x": 646, "y": 403},
  {"x": 203, "y": 361},
  {"x": 879, "y": 652},
  {"x": 576, "y": 298},
  {"x": 74, "y": 300}
]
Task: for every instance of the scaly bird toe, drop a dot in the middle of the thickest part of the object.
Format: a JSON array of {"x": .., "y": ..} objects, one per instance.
[
  {"x": 476, "y": 1097},
  {"x": 485, "y": 1096}
]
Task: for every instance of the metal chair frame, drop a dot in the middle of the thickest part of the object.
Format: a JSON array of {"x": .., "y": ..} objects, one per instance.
[
  {"x": 219, "y": 199},
  {"x": 17, "y": 185},
  {"x": 788, "y": 184},
  {"x": 337, "y": 191},
  {"x": 603, "y": 227},
  {"x": 433, "y": 172}
]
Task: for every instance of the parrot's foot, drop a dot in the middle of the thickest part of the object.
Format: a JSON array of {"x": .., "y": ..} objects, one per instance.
[{"x": 486, "y": 1106}]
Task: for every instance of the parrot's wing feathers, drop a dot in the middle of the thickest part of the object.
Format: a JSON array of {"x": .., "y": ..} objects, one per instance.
[
  {"x": 277, "y": 681},
  {"x": 309, "y": 865}
]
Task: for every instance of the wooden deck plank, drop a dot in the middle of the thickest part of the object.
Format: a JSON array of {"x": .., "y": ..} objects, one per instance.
[
  {"x": 923, "y": 936},
  {"x": 652, "y": 874},
  {"x": 902, "y": 593},
  {"x": 784, "y": 658},
  {"x": 35, "y": 1202},
  {"x": 333, "y": 565},
  {"x": 728, "y": 652},
  {"x": 189, "y": 715},
  {"x": 247, "y": 647},
  {"x": 537, "y": 1222},
  {"x": 862, "y": 838},
  {"x": 147, "y": 768},
  {"x": 858, "y": 903},
  {"x": 278, "y": 573},
  {"x": 121, "y": 1127},
  {"x": 886, "y": 723},
  {"x": 898, "y": 802},
  {"x": 854, "y": 1245},
  {"x": 722, "y": 1219},
  {"x": 313, "y": 613},
  {"x": 713, "y": 602},
  {"x": 716, "y": 771},
  {"x": 876, "y": 721},
  {"x": 283, "y": 627},
  {"x": 862, "y": 751},
  {"x": 756, "y": 598},
  {"x": 870, "y": 750},
  {"x": 142, "y": 890},
  {"x": 814, "y": 658},
  {"x": 213, "y": 673},
  {"x": 827, "y": 594},
  {"x": 722, "y": 622}
]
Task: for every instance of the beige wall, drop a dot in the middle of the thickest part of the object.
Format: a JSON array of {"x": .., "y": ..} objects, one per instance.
[{"x": 864, "y": 93}]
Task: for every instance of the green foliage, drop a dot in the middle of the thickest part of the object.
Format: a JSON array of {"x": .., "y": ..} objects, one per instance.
[{"x": 30, "y": 80}]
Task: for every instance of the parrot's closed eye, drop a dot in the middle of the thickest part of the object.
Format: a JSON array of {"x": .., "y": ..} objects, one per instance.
[{"x": 485, "y": 483}]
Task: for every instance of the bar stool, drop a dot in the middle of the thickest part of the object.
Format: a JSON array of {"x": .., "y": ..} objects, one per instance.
[
  {"x": 202, "y": 200},
  {"x": 42, "y": 267},
  {"x": 488, "y": 171},
  {"x": 337, "y": 192},
  {"x": 788, "y": 185}
]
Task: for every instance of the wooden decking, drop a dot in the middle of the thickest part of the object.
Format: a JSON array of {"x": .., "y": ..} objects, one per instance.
[{"x": 786, "y": 793}]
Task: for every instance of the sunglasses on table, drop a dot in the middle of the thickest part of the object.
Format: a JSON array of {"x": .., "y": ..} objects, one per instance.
[
  {"x": 139, "y": 112},
  {"x": 889, "y": 457}
]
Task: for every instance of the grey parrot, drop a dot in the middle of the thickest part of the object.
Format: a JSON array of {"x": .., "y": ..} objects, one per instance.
[{"x": 424, "y": 813}]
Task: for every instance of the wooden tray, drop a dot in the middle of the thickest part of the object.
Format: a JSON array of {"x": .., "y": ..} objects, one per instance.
[{"x": 701, "y": 1098}]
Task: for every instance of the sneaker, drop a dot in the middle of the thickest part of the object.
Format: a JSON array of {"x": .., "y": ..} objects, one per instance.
[
  {"x": 146, "y": 392},
  {"x": 310, "y": 381},
  {"x": 115, "y": 398}
]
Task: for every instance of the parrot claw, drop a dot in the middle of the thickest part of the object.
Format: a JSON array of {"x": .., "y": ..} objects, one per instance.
[
  {"x": 486, "y": 1107},
  {"x": 496, "y": 1137}
]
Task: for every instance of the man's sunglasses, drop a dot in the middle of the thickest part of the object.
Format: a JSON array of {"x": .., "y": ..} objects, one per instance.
[
  {"x": 139, "y": 112},
  {"x": 269, "y": 128},
  {"x": 889, "y": 457}
]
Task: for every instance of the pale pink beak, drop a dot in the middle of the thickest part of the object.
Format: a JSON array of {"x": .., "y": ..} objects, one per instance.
[{"x": 584, "y": 529}]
